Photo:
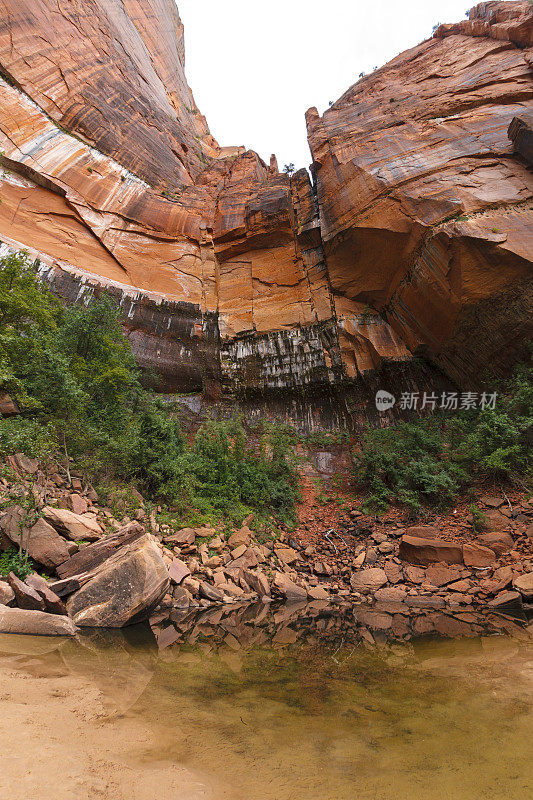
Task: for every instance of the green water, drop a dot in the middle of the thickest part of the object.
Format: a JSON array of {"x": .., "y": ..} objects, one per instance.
[{"x": 342, "y": 713}]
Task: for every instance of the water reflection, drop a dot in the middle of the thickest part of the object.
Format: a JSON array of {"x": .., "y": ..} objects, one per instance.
[{"x": 314, "y": 702}]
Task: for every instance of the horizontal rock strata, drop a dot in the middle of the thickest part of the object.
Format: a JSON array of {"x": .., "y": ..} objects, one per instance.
[{"x": 415, "y": 237}]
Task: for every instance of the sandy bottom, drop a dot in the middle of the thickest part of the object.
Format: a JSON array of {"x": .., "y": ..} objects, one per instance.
[{"x": 61, "y": 737}]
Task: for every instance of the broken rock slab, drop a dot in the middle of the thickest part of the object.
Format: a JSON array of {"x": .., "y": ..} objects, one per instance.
[
  {"x": 186, "y": 536},
  {"x": 178, "y": 570},
  {"x": 474, "y": 555},
  {"x": 524, "y": 584},
  {"x": 76, "y": 527},
  {"x": 7, "y": 595},
  {"x": 25, "y": 596},
  {"x": 46, "y": 546},
  {"x": 242, "y": 536},
  {"x": 34, "y": 623},
  {"x": 42, "y": 542},
  {"x": 288, "y": 588},
  {"x": 87, "y": 559},
  {"x": 498, "y": 542},
  {"x": 53, "y": 603},
  {"x": 422, "y": 551}
]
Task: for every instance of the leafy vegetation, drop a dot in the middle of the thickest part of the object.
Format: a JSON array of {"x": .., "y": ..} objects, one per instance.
[
  {"x": 479, "y": 519},
  {"x": 11, "y": 560},
  {"x": 74, "y": 376},
  {"x": 427, "y": 461}
]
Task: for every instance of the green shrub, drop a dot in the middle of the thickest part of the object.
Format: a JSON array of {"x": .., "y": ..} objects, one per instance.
[
  {"x": 479, "y": 519},
  {"x": 73, "y": 373},
  {"x": 428, "y": 460},
  {"x": 219, "y": 475},
  {"x": 29, "y": 436},
  {"x": 13, "y": 561},
  {"x": 410, "y": 463}
]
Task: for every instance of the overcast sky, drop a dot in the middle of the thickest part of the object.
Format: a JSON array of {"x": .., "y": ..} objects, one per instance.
[{"x": 255, "y": 67}]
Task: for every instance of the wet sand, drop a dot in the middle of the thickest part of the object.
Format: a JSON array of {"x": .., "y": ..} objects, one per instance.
[{"x": 63, "y": 737}]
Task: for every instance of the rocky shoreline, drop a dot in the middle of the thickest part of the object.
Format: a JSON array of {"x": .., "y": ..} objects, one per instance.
[{"x": 98, "y": 571}]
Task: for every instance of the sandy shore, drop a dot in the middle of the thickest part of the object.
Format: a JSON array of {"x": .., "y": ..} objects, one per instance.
[{"x": 61, "y": 739}]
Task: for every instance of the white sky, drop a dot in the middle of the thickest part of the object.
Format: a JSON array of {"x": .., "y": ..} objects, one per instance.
[{"x": 256, "y": 66}]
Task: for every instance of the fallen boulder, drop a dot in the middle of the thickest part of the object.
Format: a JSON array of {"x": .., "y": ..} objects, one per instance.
[
  {"x": 42, "y": 542},
  {"x": 524, "y": 584},
  {"x": 211, "y": 593},
  {"x": 186, "y": 536},
  {"x": 370, "y": 579},
  {"x": 421, "y": 551},
  {"x": 288, "y": 588},
  {"x": 7, "y": 595},
  {"x": 474, "y": 555},
  {"x": 287, "y": 555},
  {"x": 257, "y": 581},
  {"x": 34, "y": 623},
  {"x": 87, "y": 559},
  {"x": 53, "y": 603},
  {"x": 178, "y": 570},
  {"x": 442, "y": 574},
  {"x": 509, "y": 603},
  {"x": 242, "y": 536},
  {"x": 46, "y": 546},
  {"x": 498, "y": 542},
  {"x": 124, "y": 590},
  {"x": 70, "y": 585},
  {"x": 76, "y": 527},
  {"x": 25, "y": 596}
]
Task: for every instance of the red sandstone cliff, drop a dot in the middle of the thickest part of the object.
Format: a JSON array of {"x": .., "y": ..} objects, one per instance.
[
  {"x": 418, "y": 240},
  {"x": 425, "y": 207}
]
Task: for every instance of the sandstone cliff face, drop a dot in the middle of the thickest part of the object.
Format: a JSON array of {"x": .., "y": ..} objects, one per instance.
[
  {"x": 425, "y": 208},
  {"x": 233, "y": 277}
]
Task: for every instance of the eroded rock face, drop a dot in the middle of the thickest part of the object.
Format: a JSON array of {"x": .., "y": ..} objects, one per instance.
[
  {"x": 425, "y": 207},
  {"x": 233, "y": 277}
]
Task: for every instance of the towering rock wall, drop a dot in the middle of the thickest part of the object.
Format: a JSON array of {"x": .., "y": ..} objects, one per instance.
[
  {"x": 425, "y": 208},
  {"x": 235, "y": 278}
]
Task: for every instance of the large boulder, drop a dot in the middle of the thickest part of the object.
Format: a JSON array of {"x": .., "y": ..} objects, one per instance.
[
  {"x": 429, "y": 551},
  {"x": 124, "y": 590},
  {"x": 76, "y": 527},
  {"x": 46, "y": 546},
  {"x": 42, "y": 542},
  {"x": 34, "y": 623}
]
